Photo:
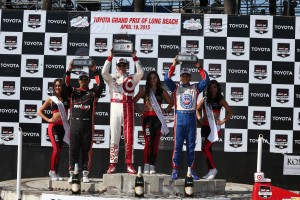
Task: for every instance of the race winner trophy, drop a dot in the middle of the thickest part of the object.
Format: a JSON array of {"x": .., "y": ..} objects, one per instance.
[
  {"x": 183, "y": 56},
  {"x": 82, "y": 58},
  {"x": 122, "y": 44}
]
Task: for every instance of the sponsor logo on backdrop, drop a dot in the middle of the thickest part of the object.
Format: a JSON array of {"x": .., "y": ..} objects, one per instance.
[
  {"x": 55, "y": 43},
  {"x": 146, "y": 46},
  {"x": 169, "y": 117},
  {"x": 9, "y": 88},
  {"x": 192, "y": 24},
  {"x": 265, "y": 191},
  {"x": 283, "y": 49},
  {"x": 281, "y": 141},
  {"x": 238, "y": 48},
  {"x": 101, "y": 114},
  {"x": 235, "y": 140},
  {"x": 99, "y": 136},
  {"x": 141, "y": 139},
  {"x": 50, "y": 89},
  {"x": 15, "y": 21},
  {"x": 100, "y": 45},
  {"x": 238, "y": 26},
  {"x": 261, "y": 26},
  {"x": 49, "y": 66},
  {"x": 30, "y": 111},
  {"x": 259, "y": 117},
  {"x": 34, "y": 20},
  {"x": 149, "y": 69},
  {"x": 7, "y": 133},
  {"x": 9, "y": 65},
  {"x": 80, "y": 21},
  {"x": 192, "y": 46},
  {"x": 103, "y": 92},
  {"x": 76, "y": 44},
  {"x": 260, "y": 72},
  {"x": 32, "y": 65},
  {"x": 237, "y": 94},
  {"x": 282, "y": 95},
  {"x": 166, "y": 67},
  {"x": 215, "y": 25},
  {"x": 10, "y": 42},
  {"x": 214, "y": 70},
  {"x": 60, "y": 21},
  {"x": 32, "y": 43}
]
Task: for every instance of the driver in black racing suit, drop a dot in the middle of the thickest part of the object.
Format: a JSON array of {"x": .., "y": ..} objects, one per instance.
[{"x": 83, "y": 103}]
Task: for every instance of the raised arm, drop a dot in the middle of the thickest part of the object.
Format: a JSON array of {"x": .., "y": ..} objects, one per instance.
[
  {"x": 170, "y": 83},
  {"x": 66, "y": 87},
  {"x": 99, "y": 81},
  {"x": 139, "y": 70},
  {"x": 105, "y": 71}
]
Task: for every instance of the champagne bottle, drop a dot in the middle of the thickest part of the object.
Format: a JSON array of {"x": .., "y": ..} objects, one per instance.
[
  {"x": 189, "y": 184},
  {"x": 139, "y": 184},
  {"x": 75, "y": 185}
]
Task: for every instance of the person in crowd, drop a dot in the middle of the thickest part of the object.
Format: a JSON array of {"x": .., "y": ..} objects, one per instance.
[
  {"x": 83, "y": 105},
  {"x": 185, "y": 99},
  {"x": 153, "y": 120},
  {"x": 121, "y": 89},
  {"x": 58, "y": 128},
  {"x": 211, "y": 105}
]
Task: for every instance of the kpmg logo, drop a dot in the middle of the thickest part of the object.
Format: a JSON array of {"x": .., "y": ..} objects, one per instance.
[
  {"x": 261, "y": 26},
  {"x": 235, "y": 140},
  {"x": 214, "y": 70},
  {"x": 7, "y": 133},
  {"x": 10, "y": 42},
  {"x": 141, "y": 139},
  {"x": 55, "y": 43},
  {"x": 50, "y": 89},
  {"x": 259, "y": 117},
  {"x": 99, "y": 136},
  {"x": 283, "y": 49},
  {"x": 30, "y": 111},
  {"x": 237, "y": 94},
  {"x": 32, "y": 66},
  {"x": 282, "y": 95},
  {"x": 260, "y": 72},
  {"x": 9, "y": 88},
  {"x": 281, "y": 141},
  {"x": 215, "y": 25},
  {"x": 238, "y": 48},
  {"x": 100, "y": 45},
  {"x": 34, "y": 20},
  {"x": 192, "y": 46}
]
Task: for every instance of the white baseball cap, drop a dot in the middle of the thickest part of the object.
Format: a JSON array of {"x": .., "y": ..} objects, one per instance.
[
  {"x": 121, "y": 60},
  {"x": 185, "y": 71}
]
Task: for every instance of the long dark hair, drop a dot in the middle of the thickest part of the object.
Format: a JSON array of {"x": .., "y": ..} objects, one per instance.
[
  {"x": 148, "y": 85},
  {"x": 62, "y": 94},
  {"x": 219, "y": 92}
]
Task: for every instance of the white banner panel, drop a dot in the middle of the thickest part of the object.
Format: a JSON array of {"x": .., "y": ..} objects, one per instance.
[
  {"x": 291, "y": 165},
  {"x": 136, "y": 23}
]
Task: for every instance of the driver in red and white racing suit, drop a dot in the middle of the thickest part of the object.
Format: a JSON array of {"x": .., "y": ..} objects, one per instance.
[{"x": 121, "y": 89}]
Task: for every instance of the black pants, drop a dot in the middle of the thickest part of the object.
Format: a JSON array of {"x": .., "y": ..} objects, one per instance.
[
  {"x": 151, "y": 130},
  {"x": 81, "y": 135}
]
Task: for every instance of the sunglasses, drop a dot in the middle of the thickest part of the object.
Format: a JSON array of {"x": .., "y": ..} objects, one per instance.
[
  {"x": 121, "y": 65},
  {"x": 84, "y": 78}
]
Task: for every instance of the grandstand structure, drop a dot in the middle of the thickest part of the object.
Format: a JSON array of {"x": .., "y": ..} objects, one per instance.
[{"x": 247, "y": 7}]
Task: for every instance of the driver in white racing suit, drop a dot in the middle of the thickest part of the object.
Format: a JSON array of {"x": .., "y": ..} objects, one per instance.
[{"x": 121, "y": 89}]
